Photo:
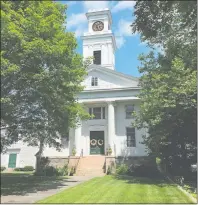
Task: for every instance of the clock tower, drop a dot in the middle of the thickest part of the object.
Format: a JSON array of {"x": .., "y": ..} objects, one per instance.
[{"x": 99, "y": 41}]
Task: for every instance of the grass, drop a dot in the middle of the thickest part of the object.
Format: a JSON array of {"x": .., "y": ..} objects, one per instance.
[
  {"x": 4, "y": 173},
  {"x": 190, "y": 187},
  {"x": 120, "y": 189},
  {"x": 19, "y": 183}
]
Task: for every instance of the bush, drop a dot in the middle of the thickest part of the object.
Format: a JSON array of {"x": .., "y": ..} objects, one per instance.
[
  {"x": 63, "y": 171},
  {"x": 3, "y": 168},
  {"x": 72, "y": 171},
  {"x": 28, "y": 168},
  {"x": 18, "y": 169},
  {"x": 143, "y": 171},
  {"x": 122, "y": 169},
  {"x": 109, "y": 170},
  {"x": 50, "y": 171},
  {"x": 24, "y": 169}
]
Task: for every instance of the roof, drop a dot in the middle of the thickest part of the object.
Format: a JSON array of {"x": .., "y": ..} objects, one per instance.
[{"x": 108, "y": 70}]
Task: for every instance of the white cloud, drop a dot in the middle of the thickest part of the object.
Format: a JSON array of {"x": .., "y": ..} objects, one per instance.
[
  {"x": 80, "y": 30},
  {"x": 123, "y": 30},
  {"x": 95, "y": 5},
  {"x": 76, "y": 19},
  {"x": 120, "y": 41},
  {"x": 122, "y": 5}
]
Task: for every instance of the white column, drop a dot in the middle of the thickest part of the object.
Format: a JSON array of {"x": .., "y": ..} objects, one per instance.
[
  {"x": 103, "y": 54},
  {"x": 110, "y": 54},
  {"x": 78, "y": 139},
  {"x": 111, "y": 125}
]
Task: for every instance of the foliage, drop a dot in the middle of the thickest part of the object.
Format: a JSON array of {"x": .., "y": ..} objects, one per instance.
[
  {"x": 168, "y": 108},
  {"x": 143, "y": 171},
  {"x": 74, "y": 151},
  {"x": 28, "y": 168},
  {"x": 63, "y": 171},
  {"x": 159, "y": 21},
  {"x": 109, "y": 170},
  {"x": 47, "y": 171},
  {"x": 72, "y": 171},
  {"x": 41, "y": 74},
  {"x": 18, "y": 169},
  {"x": 3, "y": 168},
  {"x": 24, "y": 169},
  {"x": 122, "y": 169},
  {"x": 109, "y": 150}
]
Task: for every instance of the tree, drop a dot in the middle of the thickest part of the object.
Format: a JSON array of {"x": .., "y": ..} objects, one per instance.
[
  {"x": 41, "y": 74},
  {"x": 168, "y": 81}
]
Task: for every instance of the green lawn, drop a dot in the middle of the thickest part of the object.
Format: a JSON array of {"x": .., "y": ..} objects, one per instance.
[{"x": 110, "y": 189}]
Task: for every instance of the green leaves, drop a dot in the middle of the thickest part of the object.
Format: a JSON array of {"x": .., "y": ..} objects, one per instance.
[
  {"x": 41, "y": 73},
  {"x": 168, "y": 96}
]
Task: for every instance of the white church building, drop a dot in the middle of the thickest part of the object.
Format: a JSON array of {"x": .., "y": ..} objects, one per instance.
[{"x": 109, "y": 96}]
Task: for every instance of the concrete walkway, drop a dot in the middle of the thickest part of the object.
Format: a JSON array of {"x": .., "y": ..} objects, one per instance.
[{"x": 33, "y": 197}]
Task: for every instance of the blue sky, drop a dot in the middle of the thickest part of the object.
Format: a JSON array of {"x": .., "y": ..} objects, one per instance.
[{"x": 129, "y": 45}]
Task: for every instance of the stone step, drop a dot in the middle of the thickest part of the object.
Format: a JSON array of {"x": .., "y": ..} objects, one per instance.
[
  {"x": 89, "y": 173},
  {"x": 91, "y": 166},
  {"x": 85, "y": 174},
  {"x": 89, "y": 169}
]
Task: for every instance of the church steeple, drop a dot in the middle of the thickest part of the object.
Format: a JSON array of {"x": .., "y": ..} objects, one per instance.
[{"x": 99, "y": 41}]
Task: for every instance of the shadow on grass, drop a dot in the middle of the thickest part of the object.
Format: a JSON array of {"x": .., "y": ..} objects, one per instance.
[
  {"x": 158, "y": 181},
  {"x": 22, "y": 184}
]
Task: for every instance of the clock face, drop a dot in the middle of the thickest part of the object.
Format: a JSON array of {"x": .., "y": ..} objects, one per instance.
[{"x": 98, "y": 26}]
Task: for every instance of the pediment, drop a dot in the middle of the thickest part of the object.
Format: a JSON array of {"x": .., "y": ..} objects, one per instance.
[{"x": 108, "y": 79}]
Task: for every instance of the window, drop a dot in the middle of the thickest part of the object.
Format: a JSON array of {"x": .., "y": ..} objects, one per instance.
[
  {"x": 130, "y": 132},
  {"x": 94, "y": 81},
  {"x": 97, "y": 57},
  {"x": 129, "y": 111},
  {"x": 98, "y": 112}
]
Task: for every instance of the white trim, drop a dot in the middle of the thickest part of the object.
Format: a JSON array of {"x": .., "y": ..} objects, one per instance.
[
  {"x": 107, "y": 70},
  {"x": 107, "y": 99},
  {"x": 112, "y": 89}
]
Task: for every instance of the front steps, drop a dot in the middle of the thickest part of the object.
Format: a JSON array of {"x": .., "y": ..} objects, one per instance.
[{"x": 91, "y": 166}]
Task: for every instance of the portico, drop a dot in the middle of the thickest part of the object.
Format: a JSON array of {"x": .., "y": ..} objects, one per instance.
[
  {"x": 84, "y": 132},
  {"x": 107, "y": 125}
]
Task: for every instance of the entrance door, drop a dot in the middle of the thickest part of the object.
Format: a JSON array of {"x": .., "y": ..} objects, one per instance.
[
  {"x": 96, "y": 142},
  {"x": 12, "y": 161}
]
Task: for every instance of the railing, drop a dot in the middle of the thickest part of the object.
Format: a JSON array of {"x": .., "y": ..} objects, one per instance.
[{"x": 81, "y": 155}]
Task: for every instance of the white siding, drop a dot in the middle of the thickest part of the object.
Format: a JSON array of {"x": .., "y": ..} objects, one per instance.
[
  {"x": 25, "y": 155},
  {"x": 120, "y": 141}
]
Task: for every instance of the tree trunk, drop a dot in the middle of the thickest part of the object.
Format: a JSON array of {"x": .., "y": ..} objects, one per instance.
[{"x": 39, "y": 154}]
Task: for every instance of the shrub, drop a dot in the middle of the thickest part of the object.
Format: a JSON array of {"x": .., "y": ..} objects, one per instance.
[
  {"x": 50, "y": 171},
  {"x": 18, "y": 169},
  {"x": 143, "y": 171},
  {"x": 47, "y": 171},
  {"x": 109, "y": 170},
  {"x": 3, "y": 168},
  {"x": 28, "y": 168},
  {"x": 122, "y": 169},
  {"x": 63, "y": 171},
  {"x": 72, "y": 171},
  {"x": 74, "y": 151}
]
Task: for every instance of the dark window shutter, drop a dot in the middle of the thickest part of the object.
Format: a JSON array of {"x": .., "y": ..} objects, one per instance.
[{"x": 97, "y": 57}]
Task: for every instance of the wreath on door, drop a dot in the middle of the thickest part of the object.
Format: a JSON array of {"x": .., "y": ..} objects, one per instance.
[
  {"x": 93, "y": 142},
  {"x": 100, "y": 142}
]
